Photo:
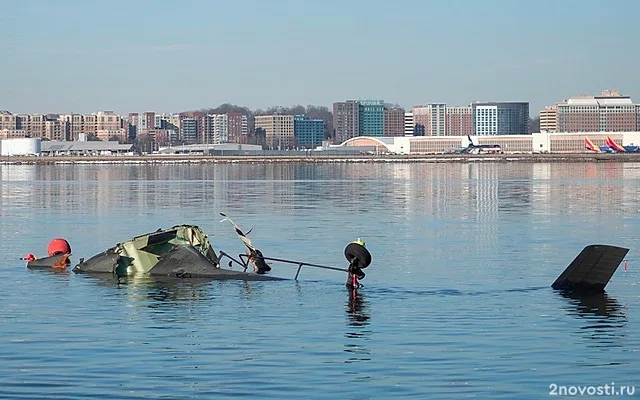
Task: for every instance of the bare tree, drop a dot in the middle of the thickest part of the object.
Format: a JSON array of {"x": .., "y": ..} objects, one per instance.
[{"x": 143, "y": 143}]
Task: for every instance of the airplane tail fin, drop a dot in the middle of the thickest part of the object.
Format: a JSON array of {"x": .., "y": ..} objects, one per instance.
[
  {"x": 592, "y": 269},
  {"x": 590, "y": 145},
  {"x": 614, "y": 145}
]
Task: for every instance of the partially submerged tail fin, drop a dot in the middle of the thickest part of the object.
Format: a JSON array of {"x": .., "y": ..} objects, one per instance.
[{"x": 591, "y": 269}]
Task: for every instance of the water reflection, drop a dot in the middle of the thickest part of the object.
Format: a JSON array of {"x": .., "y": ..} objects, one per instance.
[
  {"x": 58, "y": 275},
  {"x": 590, "y": 304},
  {"x": 468, "y": 191},
  {"x": 605, "y": 318},
  {"x": 155, "y": 291},
  {"x": 357, "y": 335},
  {"x": 49, "y": 271},
  {"x": 357, "y": 312}
]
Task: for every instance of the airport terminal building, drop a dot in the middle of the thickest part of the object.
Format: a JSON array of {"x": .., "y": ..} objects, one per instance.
[
  {"x": 536, "y": 143},
  {"x": 509, "y": 144}
]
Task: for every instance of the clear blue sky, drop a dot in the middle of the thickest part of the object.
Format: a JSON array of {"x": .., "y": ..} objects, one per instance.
[{"x": 167, "y": 56}]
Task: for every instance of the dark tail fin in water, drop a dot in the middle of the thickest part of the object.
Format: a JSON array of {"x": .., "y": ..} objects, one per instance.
[{"x": 592, "y": 269}]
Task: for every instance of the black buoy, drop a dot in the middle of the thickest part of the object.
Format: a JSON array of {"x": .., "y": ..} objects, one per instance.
[{"x": 359, "y": 258}]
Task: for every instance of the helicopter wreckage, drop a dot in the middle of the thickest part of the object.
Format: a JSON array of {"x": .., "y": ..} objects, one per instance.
[{"x": 185, "y": 251}]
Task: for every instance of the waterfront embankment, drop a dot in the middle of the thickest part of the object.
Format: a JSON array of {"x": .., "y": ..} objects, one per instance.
[{"x": 429, "y": 158}]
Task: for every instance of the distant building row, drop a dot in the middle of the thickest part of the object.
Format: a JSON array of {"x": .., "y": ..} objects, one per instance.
[
  {"x": 353, "y": 118},
  {"x": 61, "y": 126},
  {"x": 106, "y": 125},
  {"x": 610, "y": 112},
  {"x": 289, "y": 131},
  {"x": 280, "y": 131},
  {"x": 190, "y": 127}
]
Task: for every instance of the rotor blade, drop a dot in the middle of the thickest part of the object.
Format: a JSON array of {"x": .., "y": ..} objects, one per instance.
[{"x": 243, "y": 237}]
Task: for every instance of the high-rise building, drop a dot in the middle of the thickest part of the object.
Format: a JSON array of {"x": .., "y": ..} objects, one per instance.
[
  {"x": 189, "y": 130},
  {"x": 109, "y": 125},
  {"x": 56, "y": 129},
  {"x": 133, "y": 124},
  {"x": 11, "y": 126},
  {"x": 148, "y": 120},
  {"x": 485, "y": 119},
  {"x": 171, "y": 124},
  {"x": 221, "y": 129},
  {"x": 346, "y": 120},
  {"x": 201, "y": 127},
  {"x": 31, "y": 125},
  {"x": 217, "y": 129},
  {"x": 394, "y": 122},
  {"x": 278, "y": 130},
  {"x": 7, "y": 120},
  {"x": 161, "y": 121},
  {"x": 37, "y": 127},
  {"x": 22, "y": 125},
  {"x": 421, "y": 119},
  {"x": 503, "y": 118},
  {"x": 308, "y": 133},
  {"x": 549, "y": 119},
  {"x": 408, "y": 123},
  {"x": 371, "y": 117},
  {"x": 610, "y": 112},
  {"x": 459, "y": 121},
  {"x": 237, "y": 128},
  {"x": 437, "y": 126},
  {"x": 166, "y": 122},
  {"x": 75, "y": 123},
  {"x": 430, "y": 119},
  {"x": 90, "y": 125}
]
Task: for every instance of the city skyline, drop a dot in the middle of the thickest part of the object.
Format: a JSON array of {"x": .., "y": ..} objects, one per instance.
[{"x": 77, "y": 57}]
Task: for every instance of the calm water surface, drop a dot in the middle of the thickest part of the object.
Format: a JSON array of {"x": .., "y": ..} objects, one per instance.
[{"x": 456, "y": 304}]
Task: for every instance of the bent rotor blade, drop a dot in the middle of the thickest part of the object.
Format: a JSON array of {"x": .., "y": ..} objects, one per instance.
[{"x": 243, "y": 236}]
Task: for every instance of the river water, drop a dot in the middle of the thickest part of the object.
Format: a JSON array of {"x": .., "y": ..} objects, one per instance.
[{"x": 456, "y": 304}]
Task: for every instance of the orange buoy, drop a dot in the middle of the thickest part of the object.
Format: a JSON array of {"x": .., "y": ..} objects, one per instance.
[{"x": 58, "y": 246}]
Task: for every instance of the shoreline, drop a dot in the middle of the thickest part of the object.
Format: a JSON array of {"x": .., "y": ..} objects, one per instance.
[{"x": 425, "y": 158}]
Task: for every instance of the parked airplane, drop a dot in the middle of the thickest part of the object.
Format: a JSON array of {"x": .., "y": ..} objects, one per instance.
[
  {"x": 610, "y": 147},
  {"x": 621, "y": 149},
  {"x": 473, "y": 148},
  {"x": 589, "y": 145}
]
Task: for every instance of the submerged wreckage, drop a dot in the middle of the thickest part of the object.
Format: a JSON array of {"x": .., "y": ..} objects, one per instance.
[
  {"x": 592, "y": 269},
  {"x": 184, "y": 251}
]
